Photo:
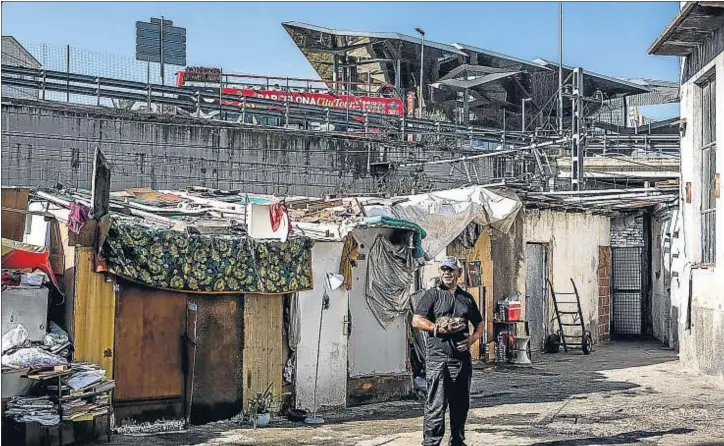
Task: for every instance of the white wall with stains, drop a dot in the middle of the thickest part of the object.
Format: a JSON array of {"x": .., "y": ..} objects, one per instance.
[
  {"x": 373, "y": 350},
  {"x": 332, "y": 379},
  {"x": 573, "y": 245},
  {"x": 695, "y": 286}
]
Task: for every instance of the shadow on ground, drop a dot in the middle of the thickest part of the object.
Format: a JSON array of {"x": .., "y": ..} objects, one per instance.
[
  {"x": 624, "y": 438},
  {"x": 551, "y": 378}
]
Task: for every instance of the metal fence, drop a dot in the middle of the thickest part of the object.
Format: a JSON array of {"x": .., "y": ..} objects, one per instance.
[
  {"x": 627, "y": 290},
  {"x": 82, "y": 61}
]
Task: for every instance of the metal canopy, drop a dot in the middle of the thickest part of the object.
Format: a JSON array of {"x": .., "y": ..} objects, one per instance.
[
  {"x": 692, "y": 25},
  {"x": 471, "y": 83},
  {"x": 606, "y": 84},
  {"x": 502, "y": 60},
  {"x": 373, "y": 35}
]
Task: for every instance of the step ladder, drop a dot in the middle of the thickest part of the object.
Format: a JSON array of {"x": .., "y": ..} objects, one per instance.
[{"x": 569, "y": 314}]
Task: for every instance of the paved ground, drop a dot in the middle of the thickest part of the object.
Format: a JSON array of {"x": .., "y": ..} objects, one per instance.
[{"x": 625, "y": 393}]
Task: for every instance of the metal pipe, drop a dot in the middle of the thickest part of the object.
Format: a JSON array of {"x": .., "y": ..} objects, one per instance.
[
  {"x": 487, "y": 155},
  {"x": 422, "y": 69},
  {"x": 560, "y": 68},
  {"x": 52, "y": 199},
  {"x": 599, "y": 191},
  {"x": 67, "y": 73},
  {"x": 616, "y": 196},
  {"x": 522, "y": 117},
  {"x": 162, "y": 67}
]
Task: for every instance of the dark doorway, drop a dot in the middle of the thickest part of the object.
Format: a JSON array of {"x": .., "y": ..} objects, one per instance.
[{"x": 536, "y": 293}]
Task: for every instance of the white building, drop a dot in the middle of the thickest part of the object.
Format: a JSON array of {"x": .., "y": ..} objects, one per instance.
[
  {"x": 15, "y": 54},
  {"x": 696, "y": 35}
]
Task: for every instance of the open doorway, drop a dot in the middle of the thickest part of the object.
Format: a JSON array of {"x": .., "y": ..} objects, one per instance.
[{"x": 536, "y": 293}]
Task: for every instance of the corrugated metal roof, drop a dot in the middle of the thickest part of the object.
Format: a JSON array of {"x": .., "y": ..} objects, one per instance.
[{"x": 693, "y": 24}]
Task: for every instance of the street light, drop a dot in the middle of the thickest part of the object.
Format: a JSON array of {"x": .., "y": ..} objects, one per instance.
[
  {"x": 522, "y": 118},
  {"x": 422, "y": 65}
]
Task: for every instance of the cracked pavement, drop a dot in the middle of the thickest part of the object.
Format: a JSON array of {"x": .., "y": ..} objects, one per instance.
[{"x": 625, "y": 393}]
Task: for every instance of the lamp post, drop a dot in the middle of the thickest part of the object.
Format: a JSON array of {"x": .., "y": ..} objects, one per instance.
[
  {"x": 522, "y": 117},
  {"x": 422, "y": 67}
]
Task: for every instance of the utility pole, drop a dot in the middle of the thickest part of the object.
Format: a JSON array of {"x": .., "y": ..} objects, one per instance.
[
  {"x": 422, "y": 68},
  {"x": 577, "y": 131},
  {"x": 560, "y": 68}
]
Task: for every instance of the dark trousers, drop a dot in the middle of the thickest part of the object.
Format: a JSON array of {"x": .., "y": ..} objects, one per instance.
[{"x": 448, "y": 384}]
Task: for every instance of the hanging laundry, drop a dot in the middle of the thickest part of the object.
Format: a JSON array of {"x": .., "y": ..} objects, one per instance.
[
  {"x": 79, "y": 214},
  {"x": 279, "y": 218},
  {"x": 350, "y": 256},
  {"x": 277, "y": 215}
]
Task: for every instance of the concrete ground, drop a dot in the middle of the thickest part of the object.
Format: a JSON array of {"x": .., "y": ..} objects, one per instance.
[{"x": 625, "y": 393}]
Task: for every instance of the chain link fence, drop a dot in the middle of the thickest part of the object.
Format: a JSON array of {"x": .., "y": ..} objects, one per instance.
[{"x": 80, "y": 61}]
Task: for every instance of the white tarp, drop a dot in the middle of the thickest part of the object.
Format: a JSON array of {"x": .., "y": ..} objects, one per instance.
[{"x": 445, "y": 214}]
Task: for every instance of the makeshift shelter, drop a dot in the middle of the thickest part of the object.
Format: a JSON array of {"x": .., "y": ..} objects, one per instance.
[{"x": 136, "y": 277}]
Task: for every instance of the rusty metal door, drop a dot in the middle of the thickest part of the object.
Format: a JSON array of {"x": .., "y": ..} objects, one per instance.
[
  {"x": 536, "y": 293},
  {"x": 150, "y": 324}
]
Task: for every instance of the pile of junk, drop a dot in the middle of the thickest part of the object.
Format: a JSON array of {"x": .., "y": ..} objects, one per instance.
[{"x": 44, "y": 392}]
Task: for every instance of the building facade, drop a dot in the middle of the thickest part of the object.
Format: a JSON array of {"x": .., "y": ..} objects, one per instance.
[{"x": 696, "y": 35}]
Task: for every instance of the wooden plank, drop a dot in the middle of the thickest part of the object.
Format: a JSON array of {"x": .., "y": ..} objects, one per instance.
[
  {"x": 218, "y": 374},
  {"x": 486, "y": 266},
  {"x": 263, "y": 361},
  {"x": 101, "y": 187},
  {"x": 94, "y": 309},
  {"x": 57, "y": 249},
  {"x": 67, "y": 281},
  {"x": 87, "y": 235},
  {"x": 13, "y": 223},
  {"x": 150, "y": 324}
]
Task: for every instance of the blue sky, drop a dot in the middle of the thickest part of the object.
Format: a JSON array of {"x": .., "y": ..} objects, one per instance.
[{"x": 606, "y": 37}]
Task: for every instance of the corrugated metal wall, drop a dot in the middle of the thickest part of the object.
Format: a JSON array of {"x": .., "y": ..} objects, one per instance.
[{"x": 94, "y": 309}]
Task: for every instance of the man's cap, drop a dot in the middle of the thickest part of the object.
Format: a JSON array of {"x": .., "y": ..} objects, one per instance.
[{"x": 451, "y": 262}]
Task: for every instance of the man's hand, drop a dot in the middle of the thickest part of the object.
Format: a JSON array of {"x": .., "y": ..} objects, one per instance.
[
  {"x": 463, "y": 345},
  {"x": 446, "y": 331}
]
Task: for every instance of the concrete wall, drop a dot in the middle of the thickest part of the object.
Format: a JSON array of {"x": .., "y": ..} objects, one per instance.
[
  {"x": 627, "y": 231},
  {"x": 665, "y": 311},
  {"x": 48, "y": 143},
  {"x": 701, "y": 343},
  {"x": 573, "y": 241}
]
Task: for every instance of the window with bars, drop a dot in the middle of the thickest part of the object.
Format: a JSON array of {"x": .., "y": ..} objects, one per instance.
[{"x": 708, "y": 170}]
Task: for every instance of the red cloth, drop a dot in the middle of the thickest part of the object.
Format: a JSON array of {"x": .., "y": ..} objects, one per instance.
[
  {"x": 277, "y": 214},
  {"x": 79, "y": 214}
]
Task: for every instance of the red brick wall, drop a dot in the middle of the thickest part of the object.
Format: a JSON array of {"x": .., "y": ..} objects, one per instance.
[{"x": 604, "y": 293}]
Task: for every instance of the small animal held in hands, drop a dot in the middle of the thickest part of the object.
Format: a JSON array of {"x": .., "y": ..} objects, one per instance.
[{"x": 450, "y": 324}]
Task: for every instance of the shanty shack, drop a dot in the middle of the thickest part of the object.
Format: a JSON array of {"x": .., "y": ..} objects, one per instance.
[{"x": 199, "y": 299}]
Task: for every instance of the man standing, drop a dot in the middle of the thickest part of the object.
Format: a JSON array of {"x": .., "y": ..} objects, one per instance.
[{"x": 447, "y": 361}]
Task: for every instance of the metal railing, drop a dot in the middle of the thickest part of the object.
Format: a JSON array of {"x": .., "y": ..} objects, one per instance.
[{"x": 233, "y": 107}]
